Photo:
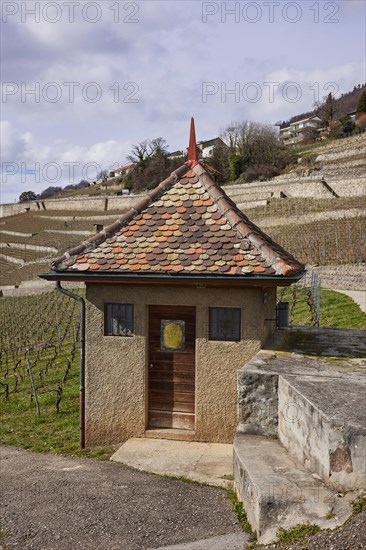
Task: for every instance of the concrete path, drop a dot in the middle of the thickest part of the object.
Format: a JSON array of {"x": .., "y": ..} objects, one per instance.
[
  {"x": 358, "y": 296},
  {"x": 210, "y": 463},
  {"x": 52, "y": 502}
]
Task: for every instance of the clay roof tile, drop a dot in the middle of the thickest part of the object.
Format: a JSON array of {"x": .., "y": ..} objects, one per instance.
[{"x": 187, "y": 224}]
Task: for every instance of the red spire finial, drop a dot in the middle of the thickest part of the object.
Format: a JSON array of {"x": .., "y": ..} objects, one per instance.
[{"x": 192, "y": 149}]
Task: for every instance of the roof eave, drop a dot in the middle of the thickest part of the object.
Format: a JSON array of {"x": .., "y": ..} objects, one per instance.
[{"x": 277, "y": 280}]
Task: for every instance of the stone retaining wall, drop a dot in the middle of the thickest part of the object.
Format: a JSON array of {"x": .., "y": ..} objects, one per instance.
[
  {"x": 351, "y": 183},
  {"x": 33, "y": 247}
]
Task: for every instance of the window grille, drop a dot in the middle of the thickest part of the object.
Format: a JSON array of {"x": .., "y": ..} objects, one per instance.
[
  {"x": 224, "y": 324},
  {"x": 118, "y": 319}
]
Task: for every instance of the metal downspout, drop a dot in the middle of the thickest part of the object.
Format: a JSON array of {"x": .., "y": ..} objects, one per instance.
[{"x": 82, "y": 358}]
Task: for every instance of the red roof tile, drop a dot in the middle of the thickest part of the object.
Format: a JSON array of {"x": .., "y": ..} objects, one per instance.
[{"x": 186, "y": 225}]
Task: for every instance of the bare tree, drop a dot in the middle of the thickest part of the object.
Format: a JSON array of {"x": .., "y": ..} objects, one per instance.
[
  {"x": 142, "y": 152},
  {"x": 253, "y": 149}
]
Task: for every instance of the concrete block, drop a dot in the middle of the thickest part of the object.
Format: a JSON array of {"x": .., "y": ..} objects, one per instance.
[
  {"x": 322, "y": 422},
  {"x": 277, "y": 491}
]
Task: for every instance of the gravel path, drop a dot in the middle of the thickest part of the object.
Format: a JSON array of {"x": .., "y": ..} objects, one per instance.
[
  {"x": 351, "y": 536},
  {"x": 60, "y": 503}
]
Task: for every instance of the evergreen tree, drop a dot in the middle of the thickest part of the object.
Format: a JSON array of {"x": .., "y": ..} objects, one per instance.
[
  {"x": 27, "y": 196},
  {"x": 327, "y": 109},
  {"x": 234, "y": 166},
  {"x": 361, "y": 107}
]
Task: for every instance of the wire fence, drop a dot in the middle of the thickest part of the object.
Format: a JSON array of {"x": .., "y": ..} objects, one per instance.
[{"x": 308, "y": 289}]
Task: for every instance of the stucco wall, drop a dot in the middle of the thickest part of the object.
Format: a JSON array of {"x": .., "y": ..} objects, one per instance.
[{"x": 116, "y": 367}]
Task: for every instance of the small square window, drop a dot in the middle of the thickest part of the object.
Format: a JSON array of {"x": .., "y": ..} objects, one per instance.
[
  {"x": 118, "y": 319},
  {"x": 224, "y": 324}
]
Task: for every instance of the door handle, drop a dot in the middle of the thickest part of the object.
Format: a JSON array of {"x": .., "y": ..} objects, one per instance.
[{"x": 151, "y": 366}]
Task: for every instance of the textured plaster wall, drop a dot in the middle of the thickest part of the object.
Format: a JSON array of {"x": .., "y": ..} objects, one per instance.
[{"x": 116, "y": 367}]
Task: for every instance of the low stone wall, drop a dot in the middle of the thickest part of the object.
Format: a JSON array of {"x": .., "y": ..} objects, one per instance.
[
  {"x": 347, "y": 276},
  {"x": 16, "y": 233},
  {"x": 30, "y": 288},
  {"x": 17, "y": 208},
  {"x": 331, "y": 446},
  {"x": 25, "y": 246},
  {"x": 285, "y": 186},
  {"x": 278, "y": 492},
  {"x": 349, "y": 187},
  {"x": 79, "y": 204},
  {"x": 11, "y": 259},
  {"x": 257, "y": 400}
]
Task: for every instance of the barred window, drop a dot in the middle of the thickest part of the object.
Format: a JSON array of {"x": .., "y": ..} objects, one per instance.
[
  {"x": 118, "y": 319},
  {"x": 224, "y": 324}
]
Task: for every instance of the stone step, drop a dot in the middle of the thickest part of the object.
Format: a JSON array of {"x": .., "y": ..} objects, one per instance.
[
  {"x": 170, "y": 433},
  {"x": 210, "y": 463},
  {"x": 322, "y": 423},
  {"x": 278, "y": 491}
]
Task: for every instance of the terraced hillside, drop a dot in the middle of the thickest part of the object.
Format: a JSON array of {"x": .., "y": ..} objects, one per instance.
[
  {"x": 316, "y": 212},
  {"x": 317, "y": 231},
  {"x": 28, "y": 241}
]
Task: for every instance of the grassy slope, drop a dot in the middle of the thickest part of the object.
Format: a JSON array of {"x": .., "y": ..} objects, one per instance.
[
  {"x": 42, "y": 330},
  {"x": 336, "y": 311}
]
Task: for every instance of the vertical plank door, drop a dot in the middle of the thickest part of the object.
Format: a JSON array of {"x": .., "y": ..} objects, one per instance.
[{"x": 172, "y": 334}]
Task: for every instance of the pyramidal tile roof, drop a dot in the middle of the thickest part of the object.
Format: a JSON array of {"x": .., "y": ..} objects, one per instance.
[{"x": 185, "y": 226}]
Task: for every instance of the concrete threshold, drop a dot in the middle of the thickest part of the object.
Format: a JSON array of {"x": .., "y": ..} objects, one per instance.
[
  {"x": 210, "y": 463},
  {"x": 277, "y": 491}
]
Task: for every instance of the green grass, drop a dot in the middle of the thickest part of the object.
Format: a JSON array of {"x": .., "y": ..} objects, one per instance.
[
  {"x": 358, "y": 505},
  {"x": 298, "y": 534},
  {"x": 44, "y": 331},
  {"x": 336, "y": 310},
  {"x": 51, "y": 432},
  {"x": 3, "y": 545},
  {"x": 238, "y": 509}
]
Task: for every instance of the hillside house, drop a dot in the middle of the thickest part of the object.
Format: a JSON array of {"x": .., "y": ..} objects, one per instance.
[
  {"x": 180, "y": 293},
  {"x": 206, "y": 148},
  {"x": 175, "y": 155},
  {"x": 122, "y": 171},
  {"x": 296, "y": 131}
]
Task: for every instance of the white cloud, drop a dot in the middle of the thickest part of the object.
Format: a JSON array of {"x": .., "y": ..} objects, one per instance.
[
  {"x": 30, "y": 164},
  {"x": 168, "y": 54}
]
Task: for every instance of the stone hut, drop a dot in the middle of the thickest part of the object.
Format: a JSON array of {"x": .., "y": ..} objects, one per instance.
[{"x": 180, "y": 293}]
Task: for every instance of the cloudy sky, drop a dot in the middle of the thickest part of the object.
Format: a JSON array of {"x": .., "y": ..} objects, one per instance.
[{"x": 84, "y": 80}]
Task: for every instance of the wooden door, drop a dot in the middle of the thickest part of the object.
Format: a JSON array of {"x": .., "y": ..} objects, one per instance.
[{"x": 172, "y": 335}]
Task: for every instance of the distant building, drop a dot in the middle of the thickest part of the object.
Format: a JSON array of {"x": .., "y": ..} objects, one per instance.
[
  {"x": 296, "y": 131},
  {"x": 122, "y": 171},
  {"x": 176, "y": 155},
  {"x": 206, "y": 148}
]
